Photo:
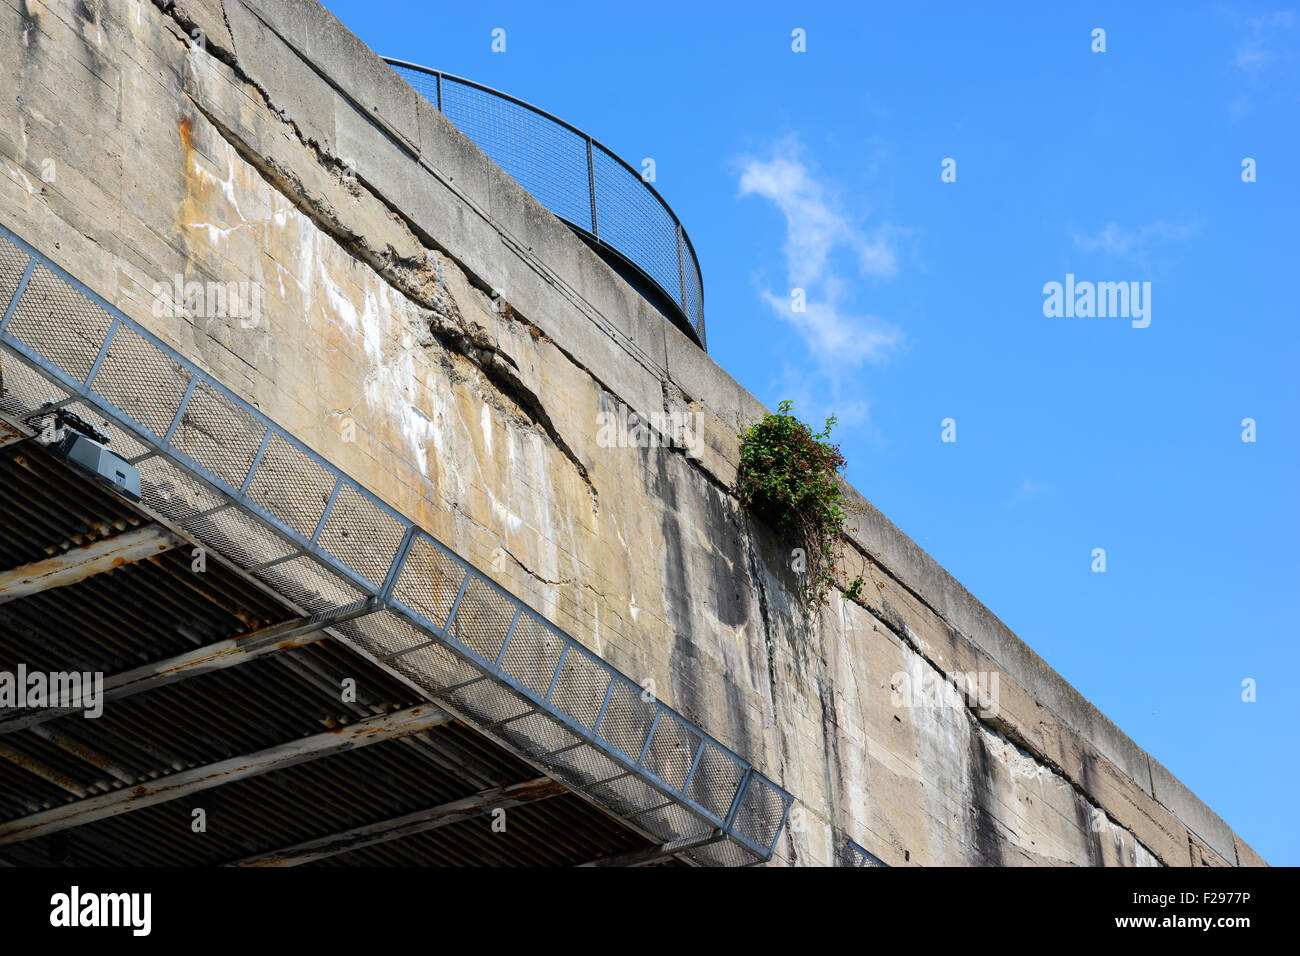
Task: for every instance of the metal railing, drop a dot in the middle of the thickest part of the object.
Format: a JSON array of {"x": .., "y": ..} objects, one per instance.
[
  {"x": 579, "y": 180},
  {"x": 220, "y": 471},
  {"x": 861, "y": 856}
]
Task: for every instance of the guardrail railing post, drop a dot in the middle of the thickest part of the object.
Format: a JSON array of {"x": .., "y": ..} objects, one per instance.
[
  {"x": 681, "y": 271},
  {"x": 591, "y": 188}
]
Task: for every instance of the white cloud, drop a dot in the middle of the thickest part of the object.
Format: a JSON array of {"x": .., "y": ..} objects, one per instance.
[
  {"x": 815, "y": 229},
  {"x": 1118, "y": 240},
  {"x": 1266, "y": 56},
  {"x": 1260, "y": 49},
  {"x": 836, "y": 336}
]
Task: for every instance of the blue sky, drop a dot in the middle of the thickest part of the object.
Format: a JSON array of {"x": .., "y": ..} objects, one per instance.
[{"x": 925, "y": 300}]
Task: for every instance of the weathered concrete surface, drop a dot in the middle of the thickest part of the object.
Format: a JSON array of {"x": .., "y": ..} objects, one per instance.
[{"x": 279, "y": 151}]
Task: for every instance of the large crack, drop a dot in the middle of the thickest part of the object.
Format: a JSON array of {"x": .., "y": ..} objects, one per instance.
[
  {"x": 562, "y": 582},
  {"x": 413, "y": 277},
  {"x": 496, "y": 365}
]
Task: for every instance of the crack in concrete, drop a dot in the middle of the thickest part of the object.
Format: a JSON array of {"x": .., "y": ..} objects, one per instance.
[
  {"x": 448, "y": 326},
  {"x": 562, "y": 582}
]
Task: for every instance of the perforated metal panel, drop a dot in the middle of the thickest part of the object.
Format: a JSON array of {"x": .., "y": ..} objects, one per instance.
[
  {"x": 860, "y": 856},
  {"x": 547, "y": 159},
  {"x": 235, "y": 481},
  {"x": 578, "y": 179}
]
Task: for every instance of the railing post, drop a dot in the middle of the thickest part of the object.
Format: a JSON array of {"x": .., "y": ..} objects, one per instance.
[
  {"x": 681, "y": 272},
  {"x": 437, "y": 78},
  {"x": 591, "y": 188}
]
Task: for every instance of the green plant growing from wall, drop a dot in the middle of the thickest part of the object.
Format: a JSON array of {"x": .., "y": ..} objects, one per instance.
[{"x": 789, "y": 477}]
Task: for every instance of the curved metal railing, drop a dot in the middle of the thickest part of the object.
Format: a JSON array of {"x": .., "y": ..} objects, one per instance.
[{"x": 582, "y": 182}]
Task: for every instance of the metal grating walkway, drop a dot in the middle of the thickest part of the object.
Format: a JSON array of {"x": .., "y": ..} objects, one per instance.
[{"x": 228, "y": 477}]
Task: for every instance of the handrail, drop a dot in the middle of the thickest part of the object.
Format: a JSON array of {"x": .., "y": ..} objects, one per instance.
[{"x": 583, "y": 182}]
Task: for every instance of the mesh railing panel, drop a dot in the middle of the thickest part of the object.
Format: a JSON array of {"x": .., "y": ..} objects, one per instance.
[
  {"x": 577, "y": 179},
  {"x": 533, "y": 654},
  {"x": 25, "y": 389},
  {"x": 59, "y": 323},
  {"x": 291, "y": 486},
  {"x": 237, "y": 536},
  {"x": 580, "y": 690},
  {"x": 627, "y": 720},
  {"x": 548, "y": 160},
  {"x": 12, "y": 266},
  {"x": 761, "y": 813},
  {"x": 482, "y": 619},
  {"x": 671, "y": 754},
  {"x": 218, "y": 435},
  {"x": 129, "y": 357},
  {"x": 361, "y": 535},
  {"x": 635, "y": 222},
  {"x": 243, "y": 487},
  {"x": 861, "y": 856}
]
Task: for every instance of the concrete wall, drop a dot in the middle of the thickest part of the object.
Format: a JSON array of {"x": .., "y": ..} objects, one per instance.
[{"x": 441, "y": 337}]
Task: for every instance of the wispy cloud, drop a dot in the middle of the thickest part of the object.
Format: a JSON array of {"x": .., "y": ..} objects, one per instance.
[
  {"x": 1266, "y": 56},
  {"x": 1260, "y": 49},
  {"x": 815, "y": 231},
  {"x": 1028, "y": 489},
  {"x": 1121, "y": 241}
]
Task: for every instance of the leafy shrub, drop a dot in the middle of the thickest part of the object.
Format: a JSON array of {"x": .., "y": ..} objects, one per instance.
[{"x": 789, "y": 478}]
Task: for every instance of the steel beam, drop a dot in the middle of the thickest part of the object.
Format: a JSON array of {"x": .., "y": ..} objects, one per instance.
[
  {"x": 657, "y": 854},
  {"x": 361, "y": 734},
  {"x": 46, "y": 773},
  {"x": 421, "y": 821},
  {"x": 81, "y": 563},
  {"x": 276, "y": 639}
]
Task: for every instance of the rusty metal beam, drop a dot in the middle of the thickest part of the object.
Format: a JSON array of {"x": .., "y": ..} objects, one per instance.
[
  {"x": 81, "y": 563},
  {"x": 48, "y": 774},
  {"x": 421, "y": 821},
  {"x": 657, "y": 854},
  {"x": 11, "y": 434},
  {"x": 85, "y": 754},
  {"x": 276, "y": 639},
  {"x": 361, "y": 734}
]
